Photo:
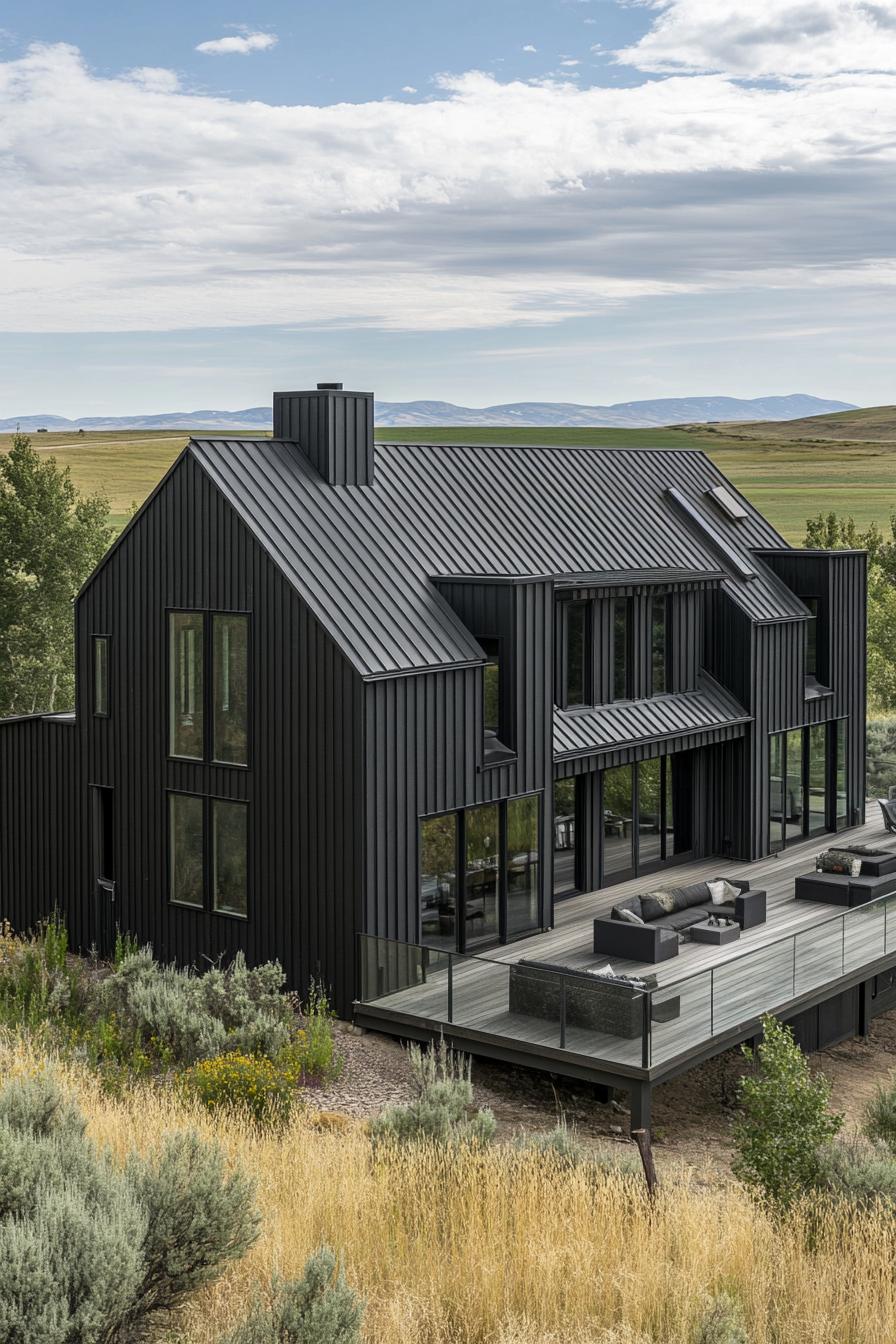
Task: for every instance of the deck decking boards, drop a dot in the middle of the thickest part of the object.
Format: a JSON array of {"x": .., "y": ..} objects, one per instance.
[{"x": 719, "y": 988}]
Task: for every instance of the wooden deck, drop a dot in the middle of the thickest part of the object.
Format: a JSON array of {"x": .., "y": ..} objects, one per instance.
[{"x": 802, "y": 947}]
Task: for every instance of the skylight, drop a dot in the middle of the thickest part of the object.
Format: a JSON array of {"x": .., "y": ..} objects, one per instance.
[{"x": 728, "y": 503}]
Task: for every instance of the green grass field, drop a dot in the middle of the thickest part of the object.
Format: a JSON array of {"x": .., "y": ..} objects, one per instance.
[{"x": 845, "y": 462}]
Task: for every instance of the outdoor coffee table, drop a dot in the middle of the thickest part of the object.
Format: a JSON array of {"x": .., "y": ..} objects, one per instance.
[{"x": 704, "y": 932}]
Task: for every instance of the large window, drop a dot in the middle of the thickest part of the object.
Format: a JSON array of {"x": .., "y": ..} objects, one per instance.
[
  {"x": 812, "y": 637},
  {"x": 618, "y": 808},
  {"x": 577, "y": 654},
  {"x": 229, "y": 682},
  {"x": 187, "y": 864},
  {"x": 208, "y": 853},
  {"x": 186, "y": 684},
  {"x": 622, "y": 639},
  {"x": 101, "y": 676},
  {"x": 495, "y": 847},
  {"x": 191, "y": 634},
  {"x": 659, "y": 645}
]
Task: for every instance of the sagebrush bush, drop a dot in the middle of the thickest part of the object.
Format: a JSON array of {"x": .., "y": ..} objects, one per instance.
[
  {"x": 183, "y": 1017},
  {"x": 264, "y": 1089},
  {"x": 880, "y": 1116},
  {"x": 562, "y": 1147},
  {"x": 861, "y": 1170},
  {"x": 785, "y": 1119},
  {"x": 94, "y": 1252},
  {"x": 38, "y": 983},
  {"x": 443, "y": 1109},
  {"x": 318, "y": 1308},
  {"x": 722, "y": 1323}
]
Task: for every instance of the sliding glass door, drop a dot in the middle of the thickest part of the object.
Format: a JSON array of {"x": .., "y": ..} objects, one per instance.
[
  {"x": 646, "y": 816},
  {"x": 495, "y": 848},
  {"x": 804, "y": 794}
]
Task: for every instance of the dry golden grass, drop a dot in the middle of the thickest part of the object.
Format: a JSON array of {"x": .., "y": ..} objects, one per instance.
[{"x": 496, "y": 1248}]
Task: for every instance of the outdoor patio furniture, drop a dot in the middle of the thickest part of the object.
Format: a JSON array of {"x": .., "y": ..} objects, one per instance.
[
  {"x": 609, "y": 1004},
  {"x": 656, "y": 938},
  {"x": 715, "y": 934},
  {"x": 876, "y": 862},
  {"x": 888, "y": 807},
  {"x": 841, "y": 889}
]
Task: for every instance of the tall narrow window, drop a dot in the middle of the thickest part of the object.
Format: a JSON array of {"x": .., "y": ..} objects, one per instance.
[
  {"x": 564, "y": 837},
  {"x": 230, "y": 683},
  {"x": 621, "y": 648},
  {"x": 229, "y": 857},
  {"x": 577, "y": 653},
  {"x": 659, "y": 645},
  {"x": 185, "y": 684},
  {"x": 101, "y": 675},
  {"x": 812, "y": 637},
  {"x": 185, "y": 839},
  {"x": 482, "y": 873},
  {"x": 438, "y": 880},
  {"x": 522, "y": 864},
  {"x": 841, "y": 816},
  {"x": 491, "y": 687}
]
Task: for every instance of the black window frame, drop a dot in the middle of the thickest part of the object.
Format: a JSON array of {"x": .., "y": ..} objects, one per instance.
[
  {"x": 811, "y": 639},
  {"x": 668, "y": 856},
  {"x": 777, "y": 830},
  {"x": 663, "y": 602},
  {"x": 208, "y": 615},
  {"x": 626, "y": 604},
  {"x": 586, "y": 607},
  {"x": 502, "y": 748},
  {"x": 208, "y": 858},
  {"x": 97, "y": 642},
  {"x": 459, "y": 813}
]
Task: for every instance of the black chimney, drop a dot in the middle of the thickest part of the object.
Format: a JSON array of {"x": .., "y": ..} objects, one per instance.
[{"x": 335, "y": 429}]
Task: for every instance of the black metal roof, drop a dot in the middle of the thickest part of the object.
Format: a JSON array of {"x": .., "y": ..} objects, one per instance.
[
  {"x": 364, "y": 557},
  {"x": 585, "y": 732}
]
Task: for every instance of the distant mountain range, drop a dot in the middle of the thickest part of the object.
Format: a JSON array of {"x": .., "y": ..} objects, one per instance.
[{"x": 621, "y": 415}]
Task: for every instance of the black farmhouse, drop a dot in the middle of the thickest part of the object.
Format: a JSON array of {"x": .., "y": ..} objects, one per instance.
[{"x": 422, "y": 698}]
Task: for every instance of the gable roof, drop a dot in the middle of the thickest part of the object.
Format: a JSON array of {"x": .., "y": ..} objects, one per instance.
[{"x": 363, "y": 558}]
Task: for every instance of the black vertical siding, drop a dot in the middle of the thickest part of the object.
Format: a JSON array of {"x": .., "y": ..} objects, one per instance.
[
  {"x": 43, "y": 825},
  {"x": 335, "y": 429},
  {"x": 302, "y": 785}
]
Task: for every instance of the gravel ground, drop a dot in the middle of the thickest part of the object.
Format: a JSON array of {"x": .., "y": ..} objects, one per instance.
[{"x": 692, "y": 1114}]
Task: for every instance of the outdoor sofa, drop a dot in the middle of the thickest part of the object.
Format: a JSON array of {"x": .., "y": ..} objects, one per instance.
[
  {"x": 664, "y": 915},
  {"x": 876, "y": 877},
  {"x": 594, "y": 1001}
]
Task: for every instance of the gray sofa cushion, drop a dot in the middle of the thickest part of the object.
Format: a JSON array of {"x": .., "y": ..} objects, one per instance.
[
  {"x": 696, "y": 894},
  {"x": 632, "y": 903},
  {"x": 663, "y": 901},
  {"x": 681, "y": 919}
]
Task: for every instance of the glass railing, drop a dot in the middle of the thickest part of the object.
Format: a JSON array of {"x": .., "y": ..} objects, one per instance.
[{"x": 610, "y": 1022}]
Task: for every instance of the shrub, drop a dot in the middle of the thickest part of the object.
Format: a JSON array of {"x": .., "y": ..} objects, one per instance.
[
  {"x": 560, "y": 1144},
  {"x": 443, "y": 1109},
  {"x": 261, "y": 1088},
  {"x": 880, "y": 1116},
  {"x": 312, "y": 1051},
  {"x": 785, "y": 1119},
  {"x": 318, "y": 1308},
  {"x": 38, "y": 984},
  {"x": 181, "y": 1017},
  {"x": 94, "y": 1252},
  {"x": 722, "y": 1323},
  {"x": 860, "y": 1170}
]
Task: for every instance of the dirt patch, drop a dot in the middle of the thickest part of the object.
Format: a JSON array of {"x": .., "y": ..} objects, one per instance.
[{"x": 692, "y": 1114}]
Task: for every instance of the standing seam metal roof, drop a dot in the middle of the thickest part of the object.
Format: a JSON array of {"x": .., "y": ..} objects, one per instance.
[{"x": 363, "y": 557}]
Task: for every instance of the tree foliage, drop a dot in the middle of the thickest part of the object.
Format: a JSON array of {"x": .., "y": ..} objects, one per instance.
[
  {"x": 785, "y": 1119},
  {"x": 51, "y": 537}
]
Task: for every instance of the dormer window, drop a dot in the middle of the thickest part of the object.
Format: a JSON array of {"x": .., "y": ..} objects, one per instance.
[
  {"x": 622, "y": 650},
  {"x": 659, "y": 645},
  {"x": 812, "y": 638},
  {"x": 497, "y": 715},
  {"x": 576, "y": 689}
]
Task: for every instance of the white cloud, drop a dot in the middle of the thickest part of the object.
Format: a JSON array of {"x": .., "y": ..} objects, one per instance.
[
  {"x": 768, "y": 38},
  {"x": 529, "y": 47},
  {"x": 570, "y": 61},
  {"x": 408, "y": 88},
  {"x": 238, "y": 44},
  {"x": 127, "y": 203}
]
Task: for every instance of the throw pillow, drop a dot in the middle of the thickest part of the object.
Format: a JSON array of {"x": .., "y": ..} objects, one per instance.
[
  {"x": 600, "y": 970},
  {"x": 658, "y": 903},
  {"x": 629, "y": 915},
  {"x": 838, "y": 861},
  {"x": 722, "y": 891}
]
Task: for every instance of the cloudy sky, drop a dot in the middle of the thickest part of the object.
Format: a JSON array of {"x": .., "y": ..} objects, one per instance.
[{"x": 470, "y": 200}]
